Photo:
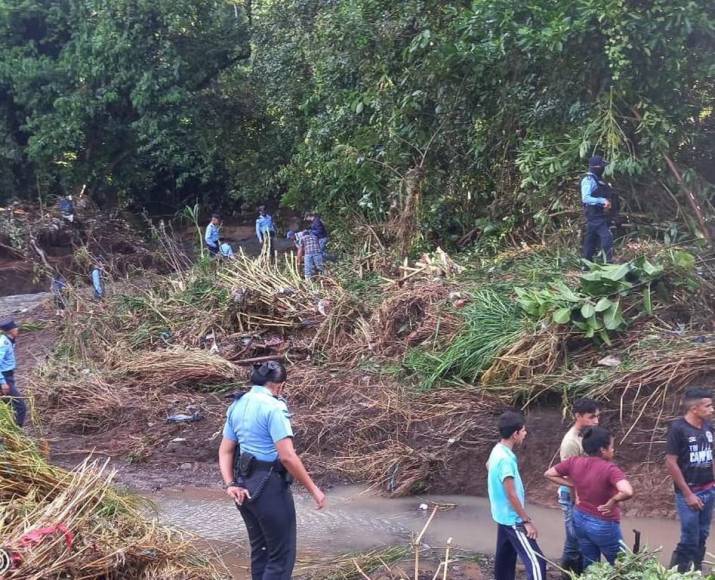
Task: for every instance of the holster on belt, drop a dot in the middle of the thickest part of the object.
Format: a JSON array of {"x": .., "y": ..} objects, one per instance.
[{"x": 247, "y": 467}]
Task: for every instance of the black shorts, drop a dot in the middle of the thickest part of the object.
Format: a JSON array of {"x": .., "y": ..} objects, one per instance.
[{"x": 213, "y": 250}]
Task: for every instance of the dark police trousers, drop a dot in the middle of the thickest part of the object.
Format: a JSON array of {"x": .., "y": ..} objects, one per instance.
[
  {"x": 598, "y": 236},
  {"x": 16, "y": 399},
  {"x": 270, "y": 522}
]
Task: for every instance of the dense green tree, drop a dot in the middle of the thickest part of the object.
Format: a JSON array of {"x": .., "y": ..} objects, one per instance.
[
  {"x": 438, "y": 116},
  {"x": 116, "y": 94}
]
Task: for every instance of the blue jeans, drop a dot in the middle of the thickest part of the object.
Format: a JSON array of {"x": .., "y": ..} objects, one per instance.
[
  {"x": 313, "y": 263},
  {"x": 597, "y": 536},
  {"x": 323, "y": 242},
  {"x": 694, "y": 530},
  {"x": 571, "y": 556}
]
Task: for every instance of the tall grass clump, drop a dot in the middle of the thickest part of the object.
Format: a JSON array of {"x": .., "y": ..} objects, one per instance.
[{"x": 493, "y": 324}]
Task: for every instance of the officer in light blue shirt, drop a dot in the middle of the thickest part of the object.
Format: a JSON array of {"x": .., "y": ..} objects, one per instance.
[
  {"x": 265, "y": 229},
  {"x": 7, "y": 371},
  {"x": 98, "y": 280},
  {"x": 596, "y": 197},
  {"x": 258, "y": 461},
  {"x": 226, "y": 249},
  {"x": 212, "y": 234},
  {"x": 516, "y": 533}
]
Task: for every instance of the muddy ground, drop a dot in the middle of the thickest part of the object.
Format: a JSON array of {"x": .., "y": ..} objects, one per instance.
[{"x": 158, "y": 455}]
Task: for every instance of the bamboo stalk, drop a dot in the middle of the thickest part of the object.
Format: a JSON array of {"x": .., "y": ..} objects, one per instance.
[
  {"x": 418, "y": 541},
  {"x": 446, "y": 558}
]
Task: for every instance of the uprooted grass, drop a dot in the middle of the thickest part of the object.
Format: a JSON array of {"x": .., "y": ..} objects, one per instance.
[
  {"x": 351, "y": 566},
  {"x": 74, "y": 524},
  {"x": 136, "y": 388},
  {"x": 370, "y": 428},
  {"x": 493, "y": 325}
]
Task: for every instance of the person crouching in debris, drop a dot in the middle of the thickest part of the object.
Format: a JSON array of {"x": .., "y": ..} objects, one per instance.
[
  {"x": 225, "y": 250},
  {"x": 66, "y": 206},
  {"x": 312, "y": 255},
  {"x": 258, "y": 464},
  {"x": 98, "y": 280},
  {"x": 7, "y": 370},
  {"x": 58, "y": 288}
]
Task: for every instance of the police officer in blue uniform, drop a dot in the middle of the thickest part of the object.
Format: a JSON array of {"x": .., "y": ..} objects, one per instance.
[
  {"x": 7, "y": 370},
  {"x": 258, "y": 464},
  {"x": 598, "y": 200}
]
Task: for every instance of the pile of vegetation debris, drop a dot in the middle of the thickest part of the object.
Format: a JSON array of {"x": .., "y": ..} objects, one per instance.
[
  {"x": 395, "y": 382},
  {"x": 36, "y": 240},
  {"x": 63, "y": 524}
]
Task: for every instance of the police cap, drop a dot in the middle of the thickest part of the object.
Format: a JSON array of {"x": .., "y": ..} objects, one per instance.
[
  {"x": 597, "y": 161},
  {"x": 7, "y": 325}
]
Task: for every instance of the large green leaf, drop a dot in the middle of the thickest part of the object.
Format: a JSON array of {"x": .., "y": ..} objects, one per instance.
[
  {"x": 562, "y": 315},
  {"x": 588, "y": 310},
  {"x": 617, "y": 272},
  {"x": 612, "y": 318},
  {"x": 683, "y": 260},
  {"x": 566, "y": 292},
  {"x": 603, "y": 304}
]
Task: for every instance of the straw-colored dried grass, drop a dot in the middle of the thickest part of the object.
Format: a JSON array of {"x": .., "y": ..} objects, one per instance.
[
  {"x": 175, "y": 366},
  {"x": 90, "y": 530},
  {"x": 538, "y": 353},
  {"x": 136, "y": 390},
  {"x": 373, "y": 429}
]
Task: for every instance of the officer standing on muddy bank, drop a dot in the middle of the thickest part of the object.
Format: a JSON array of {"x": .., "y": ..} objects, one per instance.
[
  {"x": 258, "y": 464},
  {"x": 7, "y": 371},
  {"x": 597, "y": 199}
]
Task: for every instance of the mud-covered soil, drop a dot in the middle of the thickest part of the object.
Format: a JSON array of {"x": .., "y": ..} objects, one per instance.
[{"x": 155, "y": 454}]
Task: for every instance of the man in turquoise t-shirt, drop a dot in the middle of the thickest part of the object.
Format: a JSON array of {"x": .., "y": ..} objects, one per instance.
[{"x": 516, "y": 533}]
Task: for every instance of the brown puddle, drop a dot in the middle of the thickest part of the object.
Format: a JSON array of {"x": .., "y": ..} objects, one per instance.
[{"x": 356, "y": 520}]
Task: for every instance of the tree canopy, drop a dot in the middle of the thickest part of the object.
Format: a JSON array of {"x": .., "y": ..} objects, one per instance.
[{"x": 455, "y": 113}]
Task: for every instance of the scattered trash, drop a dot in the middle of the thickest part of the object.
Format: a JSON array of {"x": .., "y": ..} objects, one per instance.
[
  {"x": 423, "y": 507},
  {"x": 183, "y": 418},
  {"x": 324, "y": 307},
  {"x": 610, "y": 361}
]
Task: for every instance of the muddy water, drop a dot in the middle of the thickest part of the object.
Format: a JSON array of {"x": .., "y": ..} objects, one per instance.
[
  {"x": 21, "y": 303},
  {"x": 358, "y": 520}
]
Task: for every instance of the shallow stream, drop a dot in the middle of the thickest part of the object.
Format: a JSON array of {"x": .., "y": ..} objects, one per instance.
[{"x": 357, "y": 520}]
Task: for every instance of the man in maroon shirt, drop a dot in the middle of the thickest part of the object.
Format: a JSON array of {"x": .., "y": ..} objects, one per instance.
[{"x": 600, "y": 486}]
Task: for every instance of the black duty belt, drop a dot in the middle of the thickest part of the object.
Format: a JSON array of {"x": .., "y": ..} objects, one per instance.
[{"x": 276, "y": 466}]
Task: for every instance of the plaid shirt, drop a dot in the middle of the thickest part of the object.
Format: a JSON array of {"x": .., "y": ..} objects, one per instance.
[{"x": 310, "y": 243}]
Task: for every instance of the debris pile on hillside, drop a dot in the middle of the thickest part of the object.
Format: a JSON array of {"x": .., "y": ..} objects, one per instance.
[
  {"x": 74, "y": 524},
  {"x": 398, "y": 388},
  {"x": 372, "y": 429}
]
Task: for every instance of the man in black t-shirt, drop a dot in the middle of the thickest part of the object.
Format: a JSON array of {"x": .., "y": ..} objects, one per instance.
[{"x": 689, "y": 459}]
